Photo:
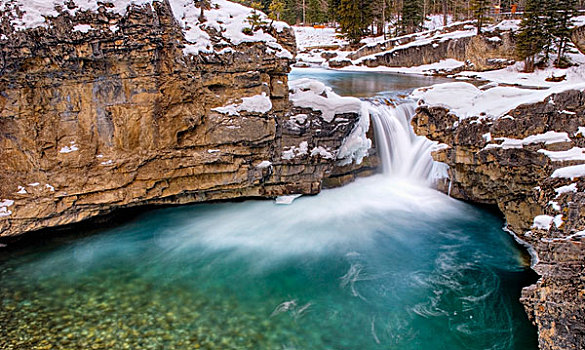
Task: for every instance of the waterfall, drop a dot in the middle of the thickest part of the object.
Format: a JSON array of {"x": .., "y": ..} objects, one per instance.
[{"x": 403, "y": 154}]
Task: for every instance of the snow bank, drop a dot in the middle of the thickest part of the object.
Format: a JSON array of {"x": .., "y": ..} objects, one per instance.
[
  {"x": 426, "y": 69},
  {"x": 505, "y": 25},
  {"x": 255, "y": 104},
  {"x": 315, "y": 37},
  {"x": 493, "y": 103},
  {"x": 566, "y": 189},
  {"x": 309, "y": 93},
  {"x": 574, "y": 153},
  {"x": 570, "y": 172},
  {"x": 548, "y": 138},
  {"x": 542, "y": 222},
  {"x": 515, "y": 75},
  {"x": 225, "y": 17}
]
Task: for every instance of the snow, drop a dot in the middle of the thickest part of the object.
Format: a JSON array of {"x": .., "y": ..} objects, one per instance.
[
  {"x": 515, "y": 75},
  {"x": 50, "y": 188},
  {"x": 21, "y": 190},
  {"x": 226, "y": 18},
  {"x": 424, "y": 38},
  {"x": 211, "y": 151},
  {"x": 68, "y": 149},
  {"x": 357, "y": 144},
  {"x": 548, "y": 138},
  {"x": 492, "y": 103},
  {"x": 433, "y": 22},
  {"x": 574, "y": 153},
  {"x": 255, "y": 104},
  {"x": 315, "y": 37},
  {"x": 580, "y": 131},
  {"x": 566, "y": 189},
  {"x": 426, "y": 69},
  {"x": 264, "y": 164},
  {"x": 106, "y": 163},
  {"x": 579, "y": 234},
  {"x": 558, "y": 220},
  {"x": 323, "y": 152},
  {"x": 4, "y": 204},
  {"x": 505, "y": 25},
  {"x": 295, "y": 151},
  {"x": 35, "y": 11},
  {"x": 286, "y": 200},
  {"x": 84, "y": 28},
  {"x": 543, "y": 222},
  {"x": 309, "y": 93},
  {"x": 34, "y": 184},
  {"x": 570, "y": 172},
  {"x": 554, "y": 205}
]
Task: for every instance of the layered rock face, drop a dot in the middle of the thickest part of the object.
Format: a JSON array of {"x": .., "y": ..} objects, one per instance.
[
  {"x": 479, "y": 52},
  {"x": 105, "y": 108},
  {"x": 528, "y": 163}
]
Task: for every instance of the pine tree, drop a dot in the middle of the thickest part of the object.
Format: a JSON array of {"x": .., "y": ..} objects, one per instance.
[
  {"x": 480, "y": 10},
  {"x": 533, "y": 36},
  {"x": 354, "y": 18},
  {"x": 333, "y": 6},
  {"x": 562, "y": 13},
  {"x": 292, "y": 12},
  {"x": 254, "y": 19},
  {"x": 316, "y": 11},
  {"x": 275, "y": 9},
  {"x": 412, "y": 16}
]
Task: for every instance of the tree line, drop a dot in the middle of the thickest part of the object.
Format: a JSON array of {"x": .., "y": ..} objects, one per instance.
[{"x": 545, "y": 26}]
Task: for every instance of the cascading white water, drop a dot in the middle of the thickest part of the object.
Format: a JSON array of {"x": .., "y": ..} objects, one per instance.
[{"x": 402, "y": 152}]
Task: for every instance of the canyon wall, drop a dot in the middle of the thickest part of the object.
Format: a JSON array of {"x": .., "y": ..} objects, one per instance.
[
  {"x": 104, "y": 108},
  {"x": 530, "y": 164},
  {"x": 479, "y": 52}
]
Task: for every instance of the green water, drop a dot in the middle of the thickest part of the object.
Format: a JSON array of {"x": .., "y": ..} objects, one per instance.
[
  {"x": 368, "y": 84},
  {"x": 378, "y": 264}
]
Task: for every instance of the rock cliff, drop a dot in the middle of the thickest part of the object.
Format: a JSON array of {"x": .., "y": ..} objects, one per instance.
[
  {"x": 493, "y": 49},
  {"x": 114, "y": 104},
  {"x": 530, "y": 164},
  {"x": 479, "y": 52}
]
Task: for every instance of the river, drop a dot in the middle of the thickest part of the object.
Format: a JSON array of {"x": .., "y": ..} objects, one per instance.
[{"x": 383, "y": 263}]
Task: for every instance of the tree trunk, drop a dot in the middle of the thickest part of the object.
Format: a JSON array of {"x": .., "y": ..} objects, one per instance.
[
  {"x": 445, "y": 19},
  {"x": 529, "y": 64},
  {"x": 561, "y": 51}
]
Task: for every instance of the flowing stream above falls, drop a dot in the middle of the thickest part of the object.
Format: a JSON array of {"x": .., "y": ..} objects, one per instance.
[{"x": 383, "y": 263}]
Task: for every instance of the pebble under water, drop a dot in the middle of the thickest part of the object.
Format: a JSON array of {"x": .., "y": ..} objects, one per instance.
[{"x": 378, "y": 264}]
